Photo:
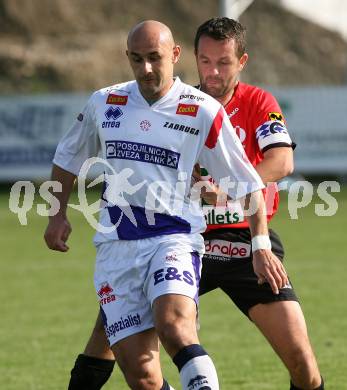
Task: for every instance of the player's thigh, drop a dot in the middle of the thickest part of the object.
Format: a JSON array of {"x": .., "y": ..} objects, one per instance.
[
  {"x": 283, "y": 324},
  {"x": 240, "y": 282},
  {"x": 120, "y": 273},
  {"x": 241, "y": 285},
  {"x": 172, "y": 289},
  {"x": 209, "y": 278},
  {"x": 98, "y": 345},
  {"x": 175, "y": 267}
]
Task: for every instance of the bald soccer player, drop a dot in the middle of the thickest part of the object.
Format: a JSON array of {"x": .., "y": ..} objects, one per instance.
[{"x": 149, "y": 265}]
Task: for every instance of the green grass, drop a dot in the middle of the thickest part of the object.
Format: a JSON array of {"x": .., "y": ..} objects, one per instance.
[{"x": 48, "y": 306}]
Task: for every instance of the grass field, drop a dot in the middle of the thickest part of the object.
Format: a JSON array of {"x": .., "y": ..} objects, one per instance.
[{"x": 48, "y": 306}]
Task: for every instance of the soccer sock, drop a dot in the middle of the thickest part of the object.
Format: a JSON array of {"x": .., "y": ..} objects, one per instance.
[
  {"x": 196, "y": 368},
  {"x": 320, "y": 387},
  {"x": 90, "y": 373}
]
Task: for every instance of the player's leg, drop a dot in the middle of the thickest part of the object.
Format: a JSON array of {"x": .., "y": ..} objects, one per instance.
[
  {"x": 175, "y": 321},
  {"x": 280, "y": 319},
  {"x": 283, "y": 324},
  {"x": 120, "y": 273},
  {"x": 287, "y": 336},
  {"x": 98, "y": 345},
  {"x": 172, "y": 288},
  {"x": 234, "y": 272},
  {"x": 138, "y": 358},
  {"x": 93, "y": 368}
]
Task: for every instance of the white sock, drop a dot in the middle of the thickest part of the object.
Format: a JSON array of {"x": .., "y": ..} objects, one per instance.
[{"x": 199, "y": 373}]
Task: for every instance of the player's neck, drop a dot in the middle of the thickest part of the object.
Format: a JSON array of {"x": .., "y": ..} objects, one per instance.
[{"x": 152, "y": 98}]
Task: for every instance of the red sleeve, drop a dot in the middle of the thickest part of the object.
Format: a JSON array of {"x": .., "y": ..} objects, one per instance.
[
  {"x": 215, "y": 129},
  {"x": 265, "y": 108}
]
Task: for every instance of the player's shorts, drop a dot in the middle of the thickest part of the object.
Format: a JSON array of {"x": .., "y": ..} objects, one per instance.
[
  {"x": 130, "y": 275},
  {"x": 227, "y": 264}
]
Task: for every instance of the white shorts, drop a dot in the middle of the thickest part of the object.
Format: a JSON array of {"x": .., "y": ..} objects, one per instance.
[{"x": 130, "y": 275}]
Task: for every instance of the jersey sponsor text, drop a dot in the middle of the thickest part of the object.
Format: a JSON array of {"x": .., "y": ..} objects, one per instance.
[
  {"x": 123, "y": 323},
  {"x": 187, "y": 109},
  {"x": 142, "y": 152},
  {"x": 225, "y": 250},
  {"x": 185, "y": 129}
]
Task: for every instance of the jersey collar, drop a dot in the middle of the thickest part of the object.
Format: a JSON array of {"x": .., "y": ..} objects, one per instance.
[{"x": 171, "y": 94}]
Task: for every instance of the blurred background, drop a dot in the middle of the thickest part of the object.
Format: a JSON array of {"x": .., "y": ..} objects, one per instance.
[{"x": 53, "y": 54}]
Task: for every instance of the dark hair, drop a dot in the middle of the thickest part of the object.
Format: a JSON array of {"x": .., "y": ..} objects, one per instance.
[{"x": 223, "y": 28}]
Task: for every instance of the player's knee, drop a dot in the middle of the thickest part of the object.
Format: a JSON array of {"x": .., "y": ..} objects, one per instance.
[
  {"x": 143, "y": 377},
  {"x": 136, "y": 383},
  {"x": 174, "y": 334}
]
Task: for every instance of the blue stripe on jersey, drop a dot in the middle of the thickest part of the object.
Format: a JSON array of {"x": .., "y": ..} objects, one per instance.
[
  {"x": 196, "y": 265},
  {"x": 127, "y": 230}
]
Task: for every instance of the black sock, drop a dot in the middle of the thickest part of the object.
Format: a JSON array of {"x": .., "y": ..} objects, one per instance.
[
  {"x": 90, "y": 373},
  {"x": 320, "y": 387}
]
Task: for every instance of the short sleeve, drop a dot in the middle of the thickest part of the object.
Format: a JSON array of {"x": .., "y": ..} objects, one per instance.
[
  {"x": 79, "y": 143},
  {"x": 269, "y": 123},
  {"x": 225, "y": 159},
  {"x": 272, "y": 134}
]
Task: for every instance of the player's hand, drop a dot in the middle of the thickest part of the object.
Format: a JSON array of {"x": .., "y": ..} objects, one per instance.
[
  {"x": 209, "y": 191},
  {"x": 269, "y": 269},
  {"x": 57, "y": 233},
  {"x": 196, "y": 176}
]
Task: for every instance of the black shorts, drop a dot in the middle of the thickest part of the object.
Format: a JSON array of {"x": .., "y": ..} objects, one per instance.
[{"x": 227, "y": 264}]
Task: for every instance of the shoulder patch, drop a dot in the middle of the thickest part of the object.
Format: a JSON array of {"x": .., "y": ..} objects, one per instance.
[
  {"x": 117, "y": 99},
  {"x": 187, "y": 109},
  {"x": 276, "y": 116}
]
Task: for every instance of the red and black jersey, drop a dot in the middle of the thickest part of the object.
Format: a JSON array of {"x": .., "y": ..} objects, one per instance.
[{"x": 258, "y": 121}]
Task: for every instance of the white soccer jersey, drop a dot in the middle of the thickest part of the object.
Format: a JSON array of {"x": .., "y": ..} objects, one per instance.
[{"x": 151, "y": 151}]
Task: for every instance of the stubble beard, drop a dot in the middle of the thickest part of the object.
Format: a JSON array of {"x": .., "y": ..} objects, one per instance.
[{"x": 215, "y": 92}]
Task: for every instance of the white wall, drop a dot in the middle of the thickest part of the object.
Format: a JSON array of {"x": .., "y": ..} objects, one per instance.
[{"x": 331, "y": 14}]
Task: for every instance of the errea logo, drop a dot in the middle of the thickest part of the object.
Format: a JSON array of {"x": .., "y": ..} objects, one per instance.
[
  {"x": 113, "y": 113},
  {"x": 200, "y": 382},
  {"x": 187, "y": 109}
]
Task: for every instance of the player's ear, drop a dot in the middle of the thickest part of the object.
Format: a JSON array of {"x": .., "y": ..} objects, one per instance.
[
  {"x": 243, "y": 60},
  {"x": 176, "y": 52}
]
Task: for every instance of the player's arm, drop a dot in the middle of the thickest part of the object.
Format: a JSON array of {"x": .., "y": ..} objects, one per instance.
[
  {"x": 273, "y": 140},
  {"x": 59, "y": 228},
  {"x": 277, "y": 164},
  {"x": 77, "y": 145},
  {"x": 210, "y": 192},
  {"x": 224, "y": 157},
  {"x": 266, "y": 265}
]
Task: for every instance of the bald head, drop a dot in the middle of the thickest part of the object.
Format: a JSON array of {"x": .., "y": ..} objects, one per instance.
[
  {"x": 151, "y": 31},
  {"x": 152, "y": 54}
]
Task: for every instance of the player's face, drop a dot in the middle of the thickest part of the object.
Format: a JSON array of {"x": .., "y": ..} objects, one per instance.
[
  {"x": 218, "y": 66},
  {"x": 152, "y": 62}
]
